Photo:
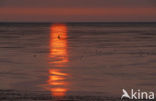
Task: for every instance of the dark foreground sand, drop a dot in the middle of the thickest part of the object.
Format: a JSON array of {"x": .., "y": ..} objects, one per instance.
[{"x": 13, "y": 95}]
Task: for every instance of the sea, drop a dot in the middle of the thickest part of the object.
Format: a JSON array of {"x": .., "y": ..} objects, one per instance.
[{"x": 77, "y": 61}]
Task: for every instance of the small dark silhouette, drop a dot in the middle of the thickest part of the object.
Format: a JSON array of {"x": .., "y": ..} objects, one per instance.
[{"x": 58, "y": 37}]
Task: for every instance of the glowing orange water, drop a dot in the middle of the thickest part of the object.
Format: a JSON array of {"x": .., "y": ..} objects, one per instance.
[{"x": 59, "y": 59}]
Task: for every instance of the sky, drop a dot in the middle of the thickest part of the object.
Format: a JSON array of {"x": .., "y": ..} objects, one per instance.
[{"x": 77, "y": 10}]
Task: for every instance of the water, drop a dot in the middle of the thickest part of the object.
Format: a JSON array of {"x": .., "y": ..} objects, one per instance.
[{"x": 95, "y": 60}]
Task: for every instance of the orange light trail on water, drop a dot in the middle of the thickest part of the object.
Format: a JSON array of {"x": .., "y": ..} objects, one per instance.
[{"x": 58, "y": 59}]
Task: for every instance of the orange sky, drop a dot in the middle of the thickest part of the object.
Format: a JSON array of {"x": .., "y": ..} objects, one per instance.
[{"x": 96, "y": 10}]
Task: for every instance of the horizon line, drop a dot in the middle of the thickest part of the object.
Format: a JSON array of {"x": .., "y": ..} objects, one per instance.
[{"x": 78, "y": 22}]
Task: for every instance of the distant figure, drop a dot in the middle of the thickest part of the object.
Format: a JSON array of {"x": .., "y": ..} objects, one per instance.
[{"x": 58, "y": 37}]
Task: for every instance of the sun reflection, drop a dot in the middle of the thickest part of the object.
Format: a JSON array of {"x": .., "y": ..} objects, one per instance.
[
  {"x": 58, "y": 45},
  {"x": 58, "y": 60}
]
